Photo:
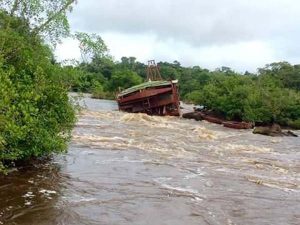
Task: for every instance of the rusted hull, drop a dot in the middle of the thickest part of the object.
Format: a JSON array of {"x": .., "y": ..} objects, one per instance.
[
  {"x": 211, "y": 119},
  {"x": 160, "y": 101}
]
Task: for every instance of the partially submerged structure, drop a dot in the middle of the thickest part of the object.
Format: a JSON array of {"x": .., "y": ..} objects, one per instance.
[{"x": 154, "y": 97}]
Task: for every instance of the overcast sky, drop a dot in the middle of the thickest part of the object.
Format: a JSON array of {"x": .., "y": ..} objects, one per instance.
[{"x": 241, "y": 34}]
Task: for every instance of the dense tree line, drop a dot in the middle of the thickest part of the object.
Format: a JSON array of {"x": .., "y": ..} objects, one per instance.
[{"x": 268, "y": 96}]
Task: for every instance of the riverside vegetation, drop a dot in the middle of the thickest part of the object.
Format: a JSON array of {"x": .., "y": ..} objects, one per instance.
[
  {"x": 36, "y": 115},
  {"x": 269, "y": 96}
]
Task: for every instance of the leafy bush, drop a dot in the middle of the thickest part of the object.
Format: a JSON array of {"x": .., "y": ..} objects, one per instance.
[
  {"x": 294, "y": 124},
  {"x": 99, "y": 93},
  {"x": 122, "y": 79},
  {"x": 35, "y": 113},
  {"x": 244, "y": 98}
]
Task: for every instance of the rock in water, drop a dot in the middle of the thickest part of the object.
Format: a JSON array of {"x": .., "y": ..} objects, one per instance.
[
  {"x": 262, "y": 130},
  {"x": 193, "y": 115},
  {"x": 292, "y": 134},
  {"x": 275, "y": 128},
  {"x": 274, "y": 131}
]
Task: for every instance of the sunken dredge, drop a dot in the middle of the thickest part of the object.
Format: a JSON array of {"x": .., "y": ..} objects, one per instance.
[{"x": 154, "y": 97}]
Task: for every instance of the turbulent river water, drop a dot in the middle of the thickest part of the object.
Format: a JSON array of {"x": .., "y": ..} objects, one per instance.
[{"x": 136, "y": 169}]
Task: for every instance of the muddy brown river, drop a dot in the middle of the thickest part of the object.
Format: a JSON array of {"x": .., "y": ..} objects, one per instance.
[{"x": 135, "y": 169}]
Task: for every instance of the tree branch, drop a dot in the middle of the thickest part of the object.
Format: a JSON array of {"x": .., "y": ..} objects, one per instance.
[
  {"x": 41, "y": 27},
  {"x": 15, "y": 7}
]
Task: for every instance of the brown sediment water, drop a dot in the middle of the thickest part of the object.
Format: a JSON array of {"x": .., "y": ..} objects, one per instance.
[{"x": 136, "y": 169}]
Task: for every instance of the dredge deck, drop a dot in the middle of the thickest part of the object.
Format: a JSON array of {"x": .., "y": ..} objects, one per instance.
[{"x": 154, "y": 97}]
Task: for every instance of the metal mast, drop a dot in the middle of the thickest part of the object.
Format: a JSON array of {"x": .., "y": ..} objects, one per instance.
[{"x": 153, "y": 71}]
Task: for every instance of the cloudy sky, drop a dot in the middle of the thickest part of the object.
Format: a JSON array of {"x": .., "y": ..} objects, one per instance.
[{"x": 241, "y": 34}]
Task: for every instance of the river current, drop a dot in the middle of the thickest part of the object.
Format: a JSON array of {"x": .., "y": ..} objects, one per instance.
[{"x": 125, "y": 168}]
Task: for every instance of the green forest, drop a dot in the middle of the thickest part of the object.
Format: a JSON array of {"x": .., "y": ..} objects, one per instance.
[{"x": 36, "y": 115}]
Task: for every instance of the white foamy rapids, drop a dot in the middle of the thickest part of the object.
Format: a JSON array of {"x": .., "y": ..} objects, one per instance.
[
  {"x": 174, "y": 148},
  {"x": 27, "y": 203},
  {"x": 144, "y": 123},
  {"x": 124, "y": 159},
  {"x": 47, "y": 192},
  {"x": 279, "y": 183},
  {"x": 83, "y": 200},
  {"x": 95, "y": 138},
  {"x": 269, "y": 165},
  {"x": 204, "y": 133},
  {"x": 184, "y": 191},
  {"x": 141, "y": 118},
  {"x": 195, "y": 174},
  {"x": 96, "y": 115},
  {"x": 193, "y": 131},
  {"x": 235, "y": 148},
  {"x": 168, "y": 150},
  {"x": 29, "y": 194}
]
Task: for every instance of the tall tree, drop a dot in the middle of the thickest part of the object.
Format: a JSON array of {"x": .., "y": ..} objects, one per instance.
[
  {"x": 47, "y": 18},
  {"x": 91, "y": 46}
]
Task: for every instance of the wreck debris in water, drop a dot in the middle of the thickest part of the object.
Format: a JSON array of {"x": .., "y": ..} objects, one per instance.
[{"x": 154, "y": 97}]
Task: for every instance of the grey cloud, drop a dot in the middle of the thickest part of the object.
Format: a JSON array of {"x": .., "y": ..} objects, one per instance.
[{"x": 196, "y": 22}]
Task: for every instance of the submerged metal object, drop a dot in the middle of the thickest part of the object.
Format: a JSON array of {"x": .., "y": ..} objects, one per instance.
[{"x": 154, "y": 97}]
